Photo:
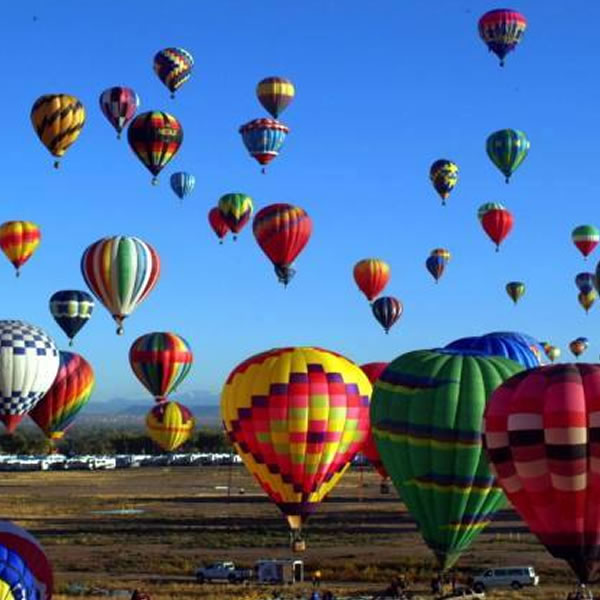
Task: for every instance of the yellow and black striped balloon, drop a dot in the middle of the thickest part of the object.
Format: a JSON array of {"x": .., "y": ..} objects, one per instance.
[{"x": 57, "y": 120}]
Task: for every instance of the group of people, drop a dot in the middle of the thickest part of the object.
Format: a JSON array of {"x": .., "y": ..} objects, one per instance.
[{"x": 439, "y": 583}]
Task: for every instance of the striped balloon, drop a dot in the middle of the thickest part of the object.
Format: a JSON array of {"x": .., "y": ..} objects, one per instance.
[
  {"x": 57, "y": 120},
  {"x": 371, "y": 276},
  {"x": 170, "y": 425},
  {"x": 497, "y": 223},
  {"x": 236, "y": 210},
  {"x": 119, "y": 105},
  {"x": 217, "y": 223},
  {"x": 28, "y": 366},
  {"x": 275, "y": 94},
  {"x": 587, "y": 299},
  {"x": 155, "y": 137},
  {"x": 507, "y": 149},
  {"x": 120, "y": 271},
  {"x": 19, "y": 240},
  {"x": 263, "y": 139},
  {"x": 515, "y": 290},
  {"x": 436, "y": 264},
  {"x": 161, "y": 361},
  {"x": 387, "y": 310},
  {"x": 55, "y": 413},
  {"x": 71, "y": 309},
  {"x": 484, "y": 208},
  {"x": 586, "y": 238},
  {"x": 173, "y": 67},
  {"x": 501, "y": 30},
  {"x": 182, "y": 183}
]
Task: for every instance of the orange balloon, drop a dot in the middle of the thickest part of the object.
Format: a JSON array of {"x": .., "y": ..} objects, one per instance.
[{"x": 371, "y": 276}]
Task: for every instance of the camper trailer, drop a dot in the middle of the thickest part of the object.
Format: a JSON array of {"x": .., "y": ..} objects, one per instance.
[{"x": 279, "y": 571}]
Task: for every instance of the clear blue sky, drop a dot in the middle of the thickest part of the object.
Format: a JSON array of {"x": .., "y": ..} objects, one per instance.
[{"x": 383, "y": 89}]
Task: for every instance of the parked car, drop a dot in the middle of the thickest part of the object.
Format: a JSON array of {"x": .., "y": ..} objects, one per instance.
[
  {"x": 514, "y": 577},
  {"x": 222, "y": 571}
]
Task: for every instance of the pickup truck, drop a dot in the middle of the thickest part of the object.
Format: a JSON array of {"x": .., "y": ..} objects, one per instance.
[{"x": 222, "y": 571}]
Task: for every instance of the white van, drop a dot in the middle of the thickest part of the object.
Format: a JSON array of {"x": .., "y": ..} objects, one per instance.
[{"x": 514, "y": 577}]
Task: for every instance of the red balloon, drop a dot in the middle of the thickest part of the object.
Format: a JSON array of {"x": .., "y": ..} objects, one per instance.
[
  {"x": 497, "y": 223},
  {"x": 218, "y": 223}
]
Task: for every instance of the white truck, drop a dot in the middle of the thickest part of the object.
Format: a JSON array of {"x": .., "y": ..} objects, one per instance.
[
  {"x": 222, "y": 571},
  {"x": 282, "y": 571}
]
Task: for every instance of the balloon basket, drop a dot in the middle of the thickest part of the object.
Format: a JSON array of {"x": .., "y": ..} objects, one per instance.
[{"x": 298, "y": 546}]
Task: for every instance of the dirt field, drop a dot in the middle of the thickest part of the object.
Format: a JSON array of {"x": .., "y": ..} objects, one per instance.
[{"x": 359, "y": 538}]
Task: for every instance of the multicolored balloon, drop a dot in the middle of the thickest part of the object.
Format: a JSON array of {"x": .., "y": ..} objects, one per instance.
[
  {"x": 71, "y": 309},
  {"x": 540, "y": 435},
  {"x": 501, "y": 30},
  {"x": 19, "y": 240},
  {"x": 578, "y": 347},
  {"x": 263, "y": 139},
  {"x": 217, "y": 223},
  {"x": 444, "y": 176},
  {"x": 507, "y": 149},
  {"x": 182, "y": 183},
  {"x": 119, "y": 105},
  {"x": 387, "y": 310},
  {"x": 282, "y": 231},
  {"x": 71, "y": 390},
  {"x": 585, "y": 282},
  {"x": 436, "y": 262},
  {"x": 173, "y": 67},
  {"x": 586, "y": 238},
  {"x": 275, "y": 94},
  {"x": 120, "y": 271},
  {"x": 170, "y": 424},
  {"x": 58, "y": 120},
  {"x": 426, "y": 413},
  {"x": 515, "y": 290},
  {"x": 587, "y": 299},
  {"x": 371, "y": 276},
  {"x": 161, "y": 361},
  {"x": 155, "y": 137},
  {"x": 16, "y": 579},
  {"x": 28, "y": 366},
  {"x": 296, "y": 417},
  {"x": 236, "y": 210},
  {"x": 497, "y": 222},
  {"x": 553, "y": 353}
]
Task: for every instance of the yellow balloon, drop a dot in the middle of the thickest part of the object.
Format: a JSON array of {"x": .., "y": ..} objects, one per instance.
[{"x": 170, "y": 425}]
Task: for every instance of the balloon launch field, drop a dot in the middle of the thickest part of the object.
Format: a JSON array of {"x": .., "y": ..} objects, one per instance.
[{"x": 358, "y": 538}]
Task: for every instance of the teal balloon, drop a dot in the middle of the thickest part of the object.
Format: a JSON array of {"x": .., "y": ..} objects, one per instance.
[{"x": 507, "y": 149}]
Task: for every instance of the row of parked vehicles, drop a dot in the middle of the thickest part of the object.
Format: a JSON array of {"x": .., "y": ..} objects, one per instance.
[{"x": 281, "y": 571}]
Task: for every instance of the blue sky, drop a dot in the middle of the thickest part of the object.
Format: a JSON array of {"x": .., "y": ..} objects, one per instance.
[{"x": 383, "y": 89}]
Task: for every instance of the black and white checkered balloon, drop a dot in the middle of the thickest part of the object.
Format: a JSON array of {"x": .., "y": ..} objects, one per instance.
[{"x": 28, "y": 367}]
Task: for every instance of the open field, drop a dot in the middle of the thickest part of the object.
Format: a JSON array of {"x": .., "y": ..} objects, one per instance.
[{"x": 359, "y": 538}]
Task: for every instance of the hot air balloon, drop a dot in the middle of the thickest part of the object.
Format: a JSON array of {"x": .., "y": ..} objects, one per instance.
[
  {"x": 119, "y": 105},
  {"x": 182, "y": 183},
  {"x": 28, "y": 366},
  {"x": 540, "y": 435},
  {"x": 515, "y": 290},
  {"x": 296, "y": 417},
  {"x": 275, "y": 94},
  {"x": 71, "y": 309},
  {"x": 577, "y": 347},
  {"x": 587, "y": 299},
  {"x": 55, "y": 413},
  {"x": 444, "y": 176},
  {"x": 501, "y": 30},
  {"x": 371, "y": 276},
  {"x": 173, "y": 67},
  {"x": 507, "y": 149},
  {"x": 585, "y": 282},
  {"x": 236, "y": 210},
  {"x": 155, "y": 137},
  {"x": 16, "y": 579},
  {"x": 426, "y": 413},
  {"x": 120, "y": 271},
  {"x": 263, "y": 139},
  {"x": 586, "y": 238},
  {"x": 19, "y": 240},
  {"x": 436, "y": 262},
  {"x": 387, "y": 310},
  {"x": 518, "y": 347},
  {"x": 170, "y": 425},
  {"x": 369, "y": 450},
  {"x": 218, "y": 224},
  {"x": 488, "y": 206},
  {"x": 552, "y": 352},
  {"x": 57, "y": 120},
  {"x": 161, "y": 361},
  {"x": 282, "y": 231},
  {"x": 497, "y": 222},
  {"x": 29, "y": 549}
]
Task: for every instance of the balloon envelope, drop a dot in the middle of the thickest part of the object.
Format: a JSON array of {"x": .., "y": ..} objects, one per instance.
[
  {"x": 173, "y": 66},
  {"x": 275, "y": 94},
  {"x": 501, "y": 30},
  {"x": 371, "y": 276},
  {"x": 71, "y": 309},
  {"x": 170, "y": 425}
]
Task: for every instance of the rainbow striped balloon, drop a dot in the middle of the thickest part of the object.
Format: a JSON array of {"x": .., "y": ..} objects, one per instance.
[
  {"x": 120, "y": 271},
  {"x": 173, "y": 67},
  {"x": 19, "y": 240},
  {"x": 161, "y": 360},
  {"x": 170, "y": 424},
  {"x": 55, "y": 412}
]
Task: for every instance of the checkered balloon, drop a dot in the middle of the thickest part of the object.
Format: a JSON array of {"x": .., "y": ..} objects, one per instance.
[{"x": 28, "y": 366}]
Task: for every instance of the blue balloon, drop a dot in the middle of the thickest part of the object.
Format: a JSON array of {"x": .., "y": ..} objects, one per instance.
[
  {"x": 519, "y": 347},
  {"x": 585, "y": 282},
  {"x": 182, "y": 183},
  {"x": 17, "y": 575},
  {"x": 71, "y": 309}
]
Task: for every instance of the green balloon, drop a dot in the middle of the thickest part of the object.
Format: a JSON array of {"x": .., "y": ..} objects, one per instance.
[
  {"x": 426, "y": 416},
  {"x": 507, "y": 149}
]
